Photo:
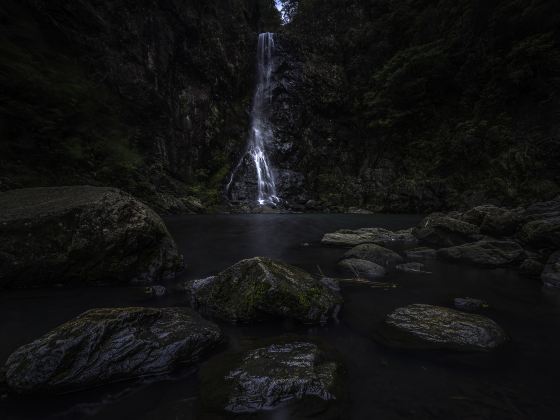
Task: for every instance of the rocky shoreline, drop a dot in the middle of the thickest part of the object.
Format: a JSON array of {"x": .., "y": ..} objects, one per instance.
[{"x": 108, "y": 345}]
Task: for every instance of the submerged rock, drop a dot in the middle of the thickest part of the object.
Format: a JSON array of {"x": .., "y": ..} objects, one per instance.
[
  {"x": 420, "y": 254},
  {"x": 81, "y": 234},
  {"x": 413, "y": 268},
  {"x": 443, "y": 231},
  {"x": 270, "y": 376},
  {"x": 551, "y": 273},
  {"x": 362, "y": 268},
  {"x": 108, "y": 345},
  {"x": 489, "y": 253},
  {"x": 432, "y": 327},
  {"x": 469, "y": 304},
  {"x": 389, "y": 239},
  {"x": 376, "y": 254},
  {"x": 259, "y": 287}
]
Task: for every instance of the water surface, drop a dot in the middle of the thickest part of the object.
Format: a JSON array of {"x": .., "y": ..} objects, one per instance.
[{"x": 518, "y": 383}]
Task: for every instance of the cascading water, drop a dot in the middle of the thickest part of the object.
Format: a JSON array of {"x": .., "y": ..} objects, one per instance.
[{"x": 260, "y": 134}]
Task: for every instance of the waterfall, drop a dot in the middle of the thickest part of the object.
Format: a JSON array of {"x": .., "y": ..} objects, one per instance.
[{"x": 260, "y": 133}]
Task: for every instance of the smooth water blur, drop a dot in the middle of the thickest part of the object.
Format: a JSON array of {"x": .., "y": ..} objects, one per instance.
[{"x": 380, "y": 383}]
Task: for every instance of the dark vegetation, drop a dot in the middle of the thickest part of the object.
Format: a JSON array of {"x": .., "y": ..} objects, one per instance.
[{"x": 465, "y": 92}]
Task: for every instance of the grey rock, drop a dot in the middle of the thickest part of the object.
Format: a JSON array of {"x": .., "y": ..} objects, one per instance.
[
  {"x": 420, "y": 254},
  {"x": 469, "y": 304},
  {"x": 541, "y": 233},
  {"x": 551, "y": 273},
  {"x": 442, "y": 231},
  {"x": 274, "y": 375},
  {"x": 259, "y": 287},
  {"x": 386, "y": 238},
  {"x": 376, "y": 254},
  {"x": 108, "y": 345},
  {"x": 362, "y": 268},
  {"x": 432, "y": 327},
  {"x": 494, "y": 220},
  {"x": 81, "y": 234},
  {"x": 489, "y": 253}
]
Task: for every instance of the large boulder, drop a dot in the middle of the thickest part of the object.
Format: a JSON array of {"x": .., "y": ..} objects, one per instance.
[
  {"x": 362, "y": 268},
  {"x": 107, "y": 345},
  {"x": 440, "y": 230},
  {"x": 79, "y": 235},
  {"x": 551, "y": 273},
  {"x": 488, "y": 253},
  {"x": 279, "y": 373},
  {"x": 542, "y": 233},
  {"x": 376, "y": 254},
  {"x": 494, "y": 220},
  {"x": 432, "y": 327},
  {"x": 260, "y": 287},
  {"x": 386, "y": 238}
]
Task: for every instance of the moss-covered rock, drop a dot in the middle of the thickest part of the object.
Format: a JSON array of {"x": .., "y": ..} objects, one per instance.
[
  {"x": 489, "y": 253},
  {"x": 376, "y": 254},
  {"x": 108, "y": 345},
  {"x": 260, "y": 287},
  {"x": 81, "y": 235},
  {"x": 432, "y": 327}
]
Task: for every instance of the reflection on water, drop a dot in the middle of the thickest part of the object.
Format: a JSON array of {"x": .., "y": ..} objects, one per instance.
[{"x": 519, "y": 383}]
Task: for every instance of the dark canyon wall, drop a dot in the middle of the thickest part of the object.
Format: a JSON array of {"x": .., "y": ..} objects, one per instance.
[
  {"x": 150, "y": 96},
  {"x": 419, "y": 105}
]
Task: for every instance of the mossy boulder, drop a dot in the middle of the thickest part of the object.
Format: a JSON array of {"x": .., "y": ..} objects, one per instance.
[
  {"x": 376, "y": 254},
  {"x": 81, "y": 235},
  {"x": 386, "y": 238},
  {"x": 439, "y": 230},
  {"x": 361, "y": 268},
  {"x": 488, "y": 253},
  {"x": 421, "y": 326},
  {"x": 270, "y": 376},
  {"x": 259, "y": 287},
  {"x": 108, "y": 345}
]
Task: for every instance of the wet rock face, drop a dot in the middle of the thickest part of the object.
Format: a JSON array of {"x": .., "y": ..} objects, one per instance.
[
  {"x": 274, "y": 375},
  {"x": 376, "y": 254},
  {"x": 440, "y": 231},
  {"x": 81, "y": 235},
  {"x": 489, "y": 253},
  {"x": 259, "y": 287},
  {"x": 379, "y": 236},
  {"x": 362, "y": 268},
  {"x": 108, "y": 345},
  {"x": 432, "y": 327},
  {"x": 551, "y": 273}
]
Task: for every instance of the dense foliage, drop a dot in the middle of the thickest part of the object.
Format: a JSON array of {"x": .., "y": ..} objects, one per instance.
[{"x": 463, "y": 91}]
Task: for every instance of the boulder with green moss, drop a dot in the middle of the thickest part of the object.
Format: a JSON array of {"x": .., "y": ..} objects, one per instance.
[
  {"x": 108, "y": 345},
  {"x": 259, "y": 287},
  {"x": 81, "y": 235},
  {"x": 433, "y": 327}
]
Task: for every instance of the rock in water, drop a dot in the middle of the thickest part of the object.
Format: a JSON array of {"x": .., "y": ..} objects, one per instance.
[
  {"x": 493, "y": 220},
  {"x": 488, "y": 253},
  {"x": 420, "y": 254},
  {"x": 469, "y": 304},
  {"x": 379, "y": 236},
  {"x": 273, "y": 375},
  {"x": 108, "y": 345},
  {"x": 551, "y": 273},
  {"x": 432, "y": 327},
  {"x": 376, "y": 254},
  {"x": 443, "y": 231},
  {"x": 362, "y": 268},
  {"x": 413, "y": 268},
  {"x": 81, "y": 234},
  {"x": 259, "y": 286}
]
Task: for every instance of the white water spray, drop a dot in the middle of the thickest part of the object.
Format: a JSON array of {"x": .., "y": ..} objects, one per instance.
[{"x": 260, "y": 134}]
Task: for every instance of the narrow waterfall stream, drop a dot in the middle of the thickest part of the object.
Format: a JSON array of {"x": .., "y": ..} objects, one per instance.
[{"x": 260, "y": 133}]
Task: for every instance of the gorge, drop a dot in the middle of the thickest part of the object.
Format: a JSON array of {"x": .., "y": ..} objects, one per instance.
[{"x": 279, "y": 209}]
